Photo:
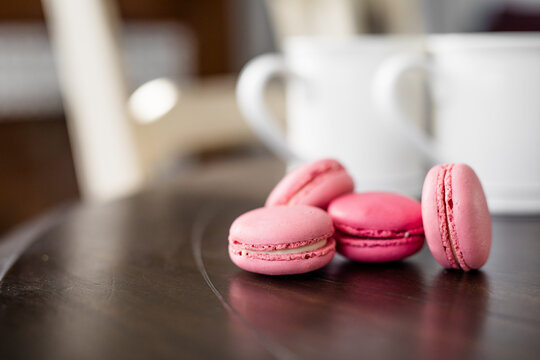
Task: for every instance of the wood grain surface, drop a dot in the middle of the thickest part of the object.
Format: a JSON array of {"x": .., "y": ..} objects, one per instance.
[{"x": 149, "y": 277}]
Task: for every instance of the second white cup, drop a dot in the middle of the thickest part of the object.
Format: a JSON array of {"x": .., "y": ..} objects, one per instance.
[{"x": 485, "y": 110}]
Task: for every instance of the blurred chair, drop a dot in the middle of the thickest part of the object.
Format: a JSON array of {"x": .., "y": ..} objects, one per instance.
[
  {"x": 94, "y": 93},
  {"x": 118, "y": 141}
]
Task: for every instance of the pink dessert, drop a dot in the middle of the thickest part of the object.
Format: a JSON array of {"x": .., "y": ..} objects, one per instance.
[
  {"x": 315, "y": 184},
  {"x": 282, "y": 240},
  {"x": 377, "y": 226},
  {"x": 456, "y": 217}
]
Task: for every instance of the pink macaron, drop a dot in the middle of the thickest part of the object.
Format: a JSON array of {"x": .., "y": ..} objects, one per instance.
[
  {"x": 316, "y": 184},
  {"x": 456, "y": 217},
  {"x": 282, "y": 240},
  {"x": 377, "y": 226}
]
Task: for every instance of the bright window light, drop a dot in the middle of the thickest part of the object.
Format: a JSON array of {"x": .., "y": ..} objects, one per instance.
[{"x": 153, "y": 100}]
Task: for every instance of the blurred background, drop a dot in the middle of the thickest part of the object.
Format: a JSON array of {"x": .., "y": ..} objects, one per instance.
[{"x": 200, "y": 46}]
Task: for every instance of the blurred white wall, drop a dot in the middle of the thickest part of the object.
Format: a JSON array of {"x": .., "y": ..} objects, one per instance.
[{"x": 28, "y": 77}]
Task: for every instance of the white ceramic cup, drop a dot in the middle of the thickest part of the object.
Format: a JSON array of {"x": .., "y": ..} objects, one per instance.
[
  {"x": 485, "y": 100},
  {"x": 330, "y": 111}
]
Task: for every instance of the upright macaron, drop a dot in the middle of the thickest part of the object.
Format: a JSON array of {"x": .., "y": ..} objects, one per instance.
[
  {"x": 316, "y": 184},
  {"x": 456, "y": 217},
  {"x": 377, "y": 226},
  {"x": 282, "y": 240}
]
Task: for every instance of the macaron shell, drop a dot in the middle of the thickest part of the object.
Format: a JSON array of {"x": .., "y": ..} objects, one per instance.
[
  {"x": 431, "y": 218},
  {"x": 323, "y": 189},
  {"x": 378, "y": 250},
  {"x": 280, "y": 227},
  {"x": 376, "y": 211},
  {"x": 315, "y": 183},
  {"x": 471, "y": 218},
  {"x": 317, "y": 259}
]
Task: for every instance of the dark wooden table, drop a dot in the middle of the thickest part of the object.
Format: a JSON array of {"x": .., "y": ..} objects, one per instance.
[{"x": 148, "y": 277}]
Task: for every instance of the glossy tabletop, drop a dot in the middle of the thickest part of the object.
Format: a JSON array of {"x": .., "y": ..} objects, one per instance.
[{"x": 148, "y": 277}]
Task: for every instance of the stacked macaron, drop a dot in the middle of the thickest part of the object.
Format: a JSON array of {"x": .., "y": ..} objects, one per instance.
[
  {"x": 313, "y": 211},
  {"x": 292, "y": 234},
  {"x": 314, "y": 184}
]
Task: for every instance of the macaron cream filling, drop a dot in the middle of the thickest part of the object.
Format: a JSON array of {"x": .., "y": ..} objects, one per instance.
[
  {"x": 357, "y": 237},
  {"x": 376, "y": 234},
  {"x": 365, "y": 242},
  {"x": 297, "y": 250},
  {"x": 318, "y": 247},
  {"x": 445, "y": 210}
]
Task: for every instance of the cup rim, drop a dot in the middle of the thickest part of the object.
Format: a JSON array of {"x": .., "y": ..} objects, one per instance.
[
  {"x": 482, "y": 41},
  {"x": 432, "y": 42},
  {"x": 314, "y": 43}
]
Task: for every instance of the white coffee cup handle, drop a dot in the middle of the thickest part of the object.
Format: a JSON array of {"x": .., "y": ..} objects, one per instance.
[
  {"x": 250, "y": 96},
  {"x": 388, "y": 105}
]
